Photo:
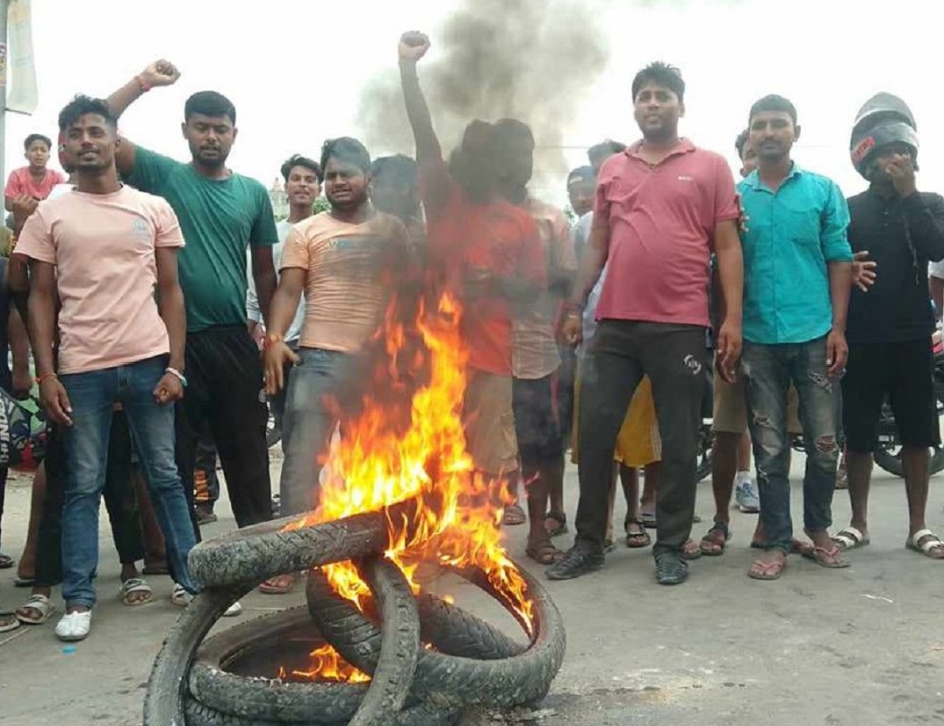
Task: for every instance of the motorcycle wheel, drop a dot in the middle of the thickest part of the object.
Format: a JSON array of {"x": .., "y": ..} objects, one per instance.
[{"x": 889, "y": 459}]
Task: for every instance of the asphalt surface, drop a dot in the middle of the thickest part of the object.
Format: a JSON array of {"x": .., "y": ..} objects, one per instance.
[{"x": 858, "y": 646}]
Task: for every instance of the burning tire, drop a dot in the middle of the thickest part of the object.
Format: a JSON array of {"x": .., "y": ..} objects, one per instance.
[{"x": 447, "y": 679}]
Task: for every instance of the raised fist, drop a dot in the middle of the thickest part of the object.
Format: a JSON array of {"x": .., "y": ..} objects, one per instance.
[
  {"x": 160, "y": 73},
  {"x": 413, "y": 45}
]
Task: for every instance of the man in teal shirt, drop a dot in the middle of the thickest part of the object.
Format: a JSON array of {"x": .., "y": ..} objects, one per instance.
[
  {"x": 797, "y": 279},
  {"x": 220, "y": 214}
]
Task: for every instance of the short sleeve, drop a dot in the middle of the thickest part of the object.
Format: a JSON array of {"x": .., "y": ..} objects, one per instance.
[
  {"x": 264, "y": 232},
  {"x": 835, "y": 226},
  {"x": 532, "y": 262},
  {"x": 168, "y": 226},
  {"x": 35, "y": 241},
  {"x": 14, "y": 186},
  {"x": 295, "y": 254},
  {"x": 725, "y": 193},
  {"x": 151, "y": 170}
]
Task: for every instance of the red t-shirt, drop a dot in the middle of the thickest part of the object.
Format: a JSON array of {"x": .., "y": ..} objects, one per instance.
[
  {"x": 22, "y": 182},
  {"x": 466, "y": 238},
  {"x": 661, "y": 221}
]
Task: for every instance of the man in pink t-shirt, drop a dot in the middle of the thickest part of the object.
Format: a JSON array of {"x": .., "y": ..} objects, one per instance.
[
  {"x": 102, "y": 251},
  {"x": 36, "y": 180},
  {"x": 661, "y": 207}
]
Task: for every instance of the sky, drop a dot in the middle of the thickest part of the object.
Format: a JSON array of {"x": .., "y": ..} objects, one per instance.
[{"x": 295, "y": 70}]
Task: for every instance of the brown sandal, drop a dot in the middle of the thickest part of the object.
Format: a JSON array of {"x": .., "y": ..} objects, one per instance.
[
  {"x": 715, "y": 541},
  {"x": 543, "y": 552},
  {"x": 513, "y": 515}
]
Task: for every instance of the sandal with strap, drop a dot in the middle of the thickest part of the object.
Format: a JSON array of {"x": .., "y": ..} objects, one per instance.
[
  {"x": 715, "y": 541},
  {"x": 690, "y": 551},
  {"x": 135, "y": 585},
  {"x": 543, "y": 552},
  {"x": 767, "y": 571},
  {"x": 513, "y": 515},
  {"x": 639, "y": 538},
  {"x": 6, "y": 562},
  {"x": 851, "y": 538},
  {"x": 8, "y": 622},
  {"x": 927, "y": 543},
  {"x": 561, "y": 526},
  {"x": 38, "y": 603}
]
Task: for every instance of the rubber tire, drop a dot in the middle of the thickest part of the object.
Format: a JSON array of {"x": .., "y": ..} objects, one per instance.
[
  {"x": 199, "y": 715},
  {"x": 892, "y": 463},
  {"x": 446, "y": 680},
  {"x": 255, "y": 554}
]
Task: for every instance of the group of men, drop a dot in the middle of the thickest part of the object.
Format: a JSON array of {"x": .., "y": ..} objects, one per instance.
[{"x": 137, "y": 299}]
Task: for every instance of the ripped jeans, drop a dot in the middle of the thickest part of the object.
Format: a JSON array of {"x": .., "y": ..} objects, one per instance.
[{"x": 768, "y": 372}]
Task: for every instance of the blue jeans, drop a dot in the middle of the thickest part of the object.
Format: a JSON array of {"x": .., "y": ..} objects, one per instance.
[
  {"x": 86, "y": 442},
  {"x": 320, "y": 388},
  {"x": 768, "y": 372}
]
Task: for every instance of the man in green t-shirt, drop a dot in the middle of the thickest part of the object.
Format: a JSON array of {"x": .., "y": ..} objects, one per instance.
[{"x": 220, "y": 214}]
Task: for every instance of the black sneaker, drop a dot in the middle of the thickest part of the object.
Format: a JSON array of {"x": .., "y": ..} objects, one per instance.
[
  {"x": 671, "y": 569},
  {"x": 205, "y": 514},
  {"x": 575, "y": 563}
]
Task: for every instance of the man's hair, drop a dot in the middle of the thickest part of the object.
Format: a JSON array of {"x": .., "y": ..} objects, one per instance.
[
  {"x": 399, "y": 167},
  {"x": 581, "y": 173},
  {"x": 32, "y": 138},
  {"x": 210, "y": 103},
  {"x": 346, "y": 150},
  {"x": 773, "y": 102},
  {"x": 299, "y": 160},
  {"x": 660, "y": 74},
  {"x": 740, "y": 142},
  {"x": 604, "y": 150},
  {"x": 83, "y": 105},
  {"x": 509, "y": 130},
  {"x": 474, "y": 163}
]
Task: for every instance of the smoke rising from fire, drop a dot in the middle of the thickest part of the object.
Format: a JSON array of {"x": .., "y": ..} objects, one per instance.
[{"x": 527, "y": 59}]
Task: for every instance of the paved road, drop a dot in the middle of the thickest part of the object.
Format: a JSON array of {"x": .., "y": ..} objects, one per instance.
[{"x": 858, "y": 646}]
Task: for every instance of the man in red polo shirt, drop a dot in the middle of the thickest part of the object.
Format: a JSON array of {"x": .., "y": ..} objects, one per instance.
[
  {"x": 489, "y": 253},
  {"x": 661, "y": 207}
]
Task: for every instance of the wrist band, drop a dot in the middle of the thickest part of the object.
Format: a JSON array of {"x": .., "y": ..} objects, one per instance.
[
  {"x": 44, "y": 377},
  {"x": 178, "y": 375}
]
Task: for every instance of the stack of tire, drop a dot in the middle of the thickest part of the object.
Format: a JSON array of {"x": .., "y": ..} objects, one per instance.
[{"x": 428, "y": 660}]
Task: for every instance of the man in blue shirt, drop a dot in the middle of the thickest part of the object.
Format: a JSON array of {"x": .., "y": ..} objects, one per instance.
[{"x": 797, "y": 278}]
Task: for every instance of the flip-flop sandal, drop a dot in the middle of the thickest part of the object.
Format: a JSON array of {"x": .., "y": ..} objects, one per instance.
[
  {"x": 8, "y": 622},
  {"x": 41, "y": 604},
  {"x": 544, "y": 552},
  {"x": 281, "y": 585},
  {"x": 804, "y": 549},
  {"x": 561, "y": 527},
  {"x": 714, "y": 545},
  {"x": 690, "y": 551},
  {"x": 513, "y": 515},
  {"x": 767, "y": 571},
  {"x": 637, "y": 540},
  {"x": 829, "y": 558},
  {"x": 850, "y": 538},
  {"x": 6, "y": 562},
  {"x": 925, "y": 542},
  {"x": 134, "y": 585}
]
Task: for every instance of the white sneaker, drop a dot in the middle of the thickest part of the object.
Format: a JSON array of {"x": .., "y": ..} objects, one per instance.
[
  {"x": 74, "y": 626},
  {"x": 181, "y": 598}
]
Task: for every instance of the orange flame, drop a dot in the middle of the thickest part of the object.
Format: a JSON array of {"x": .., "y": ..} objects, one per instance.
[
  {"x": 374, "y": 465},
  {"x": 327, "y": 665}
]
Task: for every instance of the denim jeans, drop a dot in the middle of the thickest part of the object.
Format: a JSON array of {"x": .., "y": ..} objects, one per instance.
[
  {"x": 86, "y": 442},
  {"x": 768, "y": 372},
  {"x": 321, "y": 387}
]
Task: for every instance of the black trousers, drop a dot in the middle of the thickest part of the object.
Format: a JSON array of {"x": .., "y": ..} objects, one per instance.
[
  {"x": 120, "y": 502},
  {"x": 224, "y": 373},
  {"x": 620, "y": 354}
]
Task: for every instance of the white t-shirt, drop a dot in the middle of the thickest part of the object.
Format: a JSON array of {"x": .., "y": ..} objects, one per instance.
[{"x": 252, "y": 300}]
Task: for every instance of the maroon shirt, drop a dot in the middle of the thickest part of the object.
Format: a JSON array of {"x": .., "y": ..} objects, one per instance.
[{"x": 661, "y": 221}]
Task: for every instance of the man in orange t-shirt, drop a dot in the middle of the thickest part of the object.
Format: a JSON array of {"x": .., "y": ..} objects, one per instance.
[
  {"x": 34, "y": 181},
  {"x": 490, "y": 254}
]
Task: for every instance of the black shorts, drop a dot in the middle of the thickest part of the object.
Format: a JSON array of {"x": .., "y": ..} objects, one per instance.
[
  {"x": 537, "y": 420},
  {"x": 902, "y": 373}
]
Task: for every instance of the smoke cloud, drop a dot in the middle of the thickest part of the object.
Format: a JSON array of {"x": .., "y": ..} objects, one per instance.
[{"x": 527, "y": 59}]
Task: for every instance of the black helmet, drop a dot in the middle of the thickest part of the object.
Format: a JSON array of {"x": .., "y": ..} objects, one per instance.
[{"x": 884, "y": 119}]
